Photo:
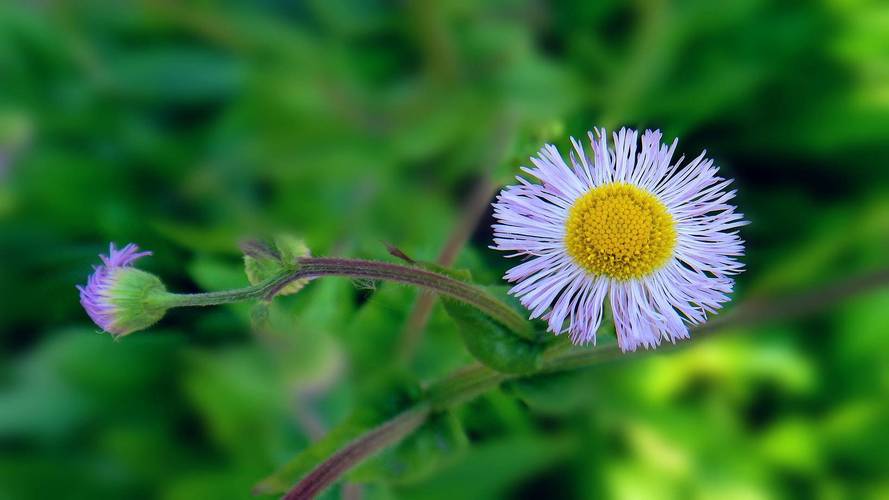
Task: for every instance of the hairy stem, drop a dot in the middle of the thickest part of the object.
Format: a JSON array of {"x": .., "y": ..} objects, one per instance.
[
  {"x": 378, "y": 438},
  {"x": 409, "y": 275},
  {"x": 316, "y": 267}
]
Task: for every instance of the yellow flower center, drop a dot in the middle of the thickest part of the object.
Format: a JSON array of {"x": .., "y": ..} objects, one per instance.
[{"x": 620, "y": 231}]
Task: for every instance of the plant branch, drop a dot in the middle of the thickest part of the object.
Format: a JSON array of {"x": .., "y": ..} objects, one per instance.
[
  {"x": 380, "y": 437},
  {"x": 315, "y": 267}
]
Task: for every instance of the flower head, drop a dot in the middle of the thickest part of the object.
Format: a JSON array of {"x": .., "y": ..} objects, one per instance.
[
  {"x": 119, "y": 298},
  {"x": 658, "y": 238}
]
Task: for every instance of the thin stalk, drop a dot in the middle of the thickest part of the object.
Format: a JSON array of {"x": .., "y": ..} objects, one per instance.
[
  {"x": 258, "y": 291},
  {"x": 316, "y": 267}
]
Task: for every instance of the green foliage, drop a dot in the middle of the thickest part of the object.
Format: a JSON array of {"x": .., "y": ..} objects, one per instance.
[
  {"x": 188, "y": 126},
  {"x": 492, "y": 343},
  {"x": 488, "y": 340}
]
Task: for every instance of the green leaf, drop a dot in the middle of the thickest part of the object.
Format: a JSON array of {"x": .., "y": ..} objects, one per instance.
[
  {"x": 492, "y": 343},
  {"x": 291, "y": 248},
  {"x": 263, "y": 262},
  {"x": 536, "y": 327},
  {"x": 487, "y": 340}
]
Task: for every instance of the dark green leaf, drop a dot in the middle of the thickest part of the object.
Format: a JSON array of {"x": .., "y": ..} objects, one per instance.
[{"x": 492, "y": 343}]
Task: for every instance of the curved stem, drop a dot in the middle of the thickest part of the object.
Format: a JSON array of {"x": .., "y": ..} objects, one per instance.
[
  {"x": 315, "y": 267},
  {"x": 411, "y": 275}
]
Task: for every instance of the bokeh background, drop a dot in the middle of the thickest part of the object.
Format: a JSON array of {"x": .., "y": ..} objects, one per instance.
[{"x": 187, "y": 126}]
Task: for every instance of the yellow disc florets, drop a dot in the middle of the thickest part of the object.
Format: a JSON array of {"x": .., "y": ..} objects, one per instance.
[{"x": 621, "y": 231}]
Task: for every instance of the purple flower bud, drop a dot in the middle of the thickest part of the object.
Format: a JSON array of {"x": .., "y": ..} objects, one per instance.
[{"x": 120, "y": 298}]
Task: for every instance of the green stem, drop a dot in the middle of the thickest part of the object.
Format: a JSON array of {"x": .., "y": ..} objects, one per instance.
[
  {"x": 258, "y": 291},
  {"x": 416, "y": 276},
  {"x": 365, "y": 269}
]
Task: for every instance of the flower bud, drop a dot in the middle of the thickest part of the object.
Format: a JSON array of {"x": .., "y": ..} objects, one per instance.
[
  {"x": 121, "y": 299},
  {"x": 263, "y": 261}
]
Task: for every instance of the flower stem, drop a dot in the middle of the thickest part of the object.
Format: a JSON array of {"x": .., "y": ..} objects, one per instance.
[
  {"x": 258, "y": 291},
  {"x": 315, "y": 267},
  {"x": 411, "y": 275}
]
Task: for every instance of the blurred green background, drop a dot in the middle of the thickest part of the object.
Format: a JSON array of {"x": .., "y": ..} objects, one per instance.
[{"x": 186, "y": 126}]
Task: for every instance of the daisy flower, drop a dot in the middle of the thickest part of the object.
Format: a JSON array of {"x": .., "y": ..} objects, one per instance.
[{"x": 627, "y": 226}]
